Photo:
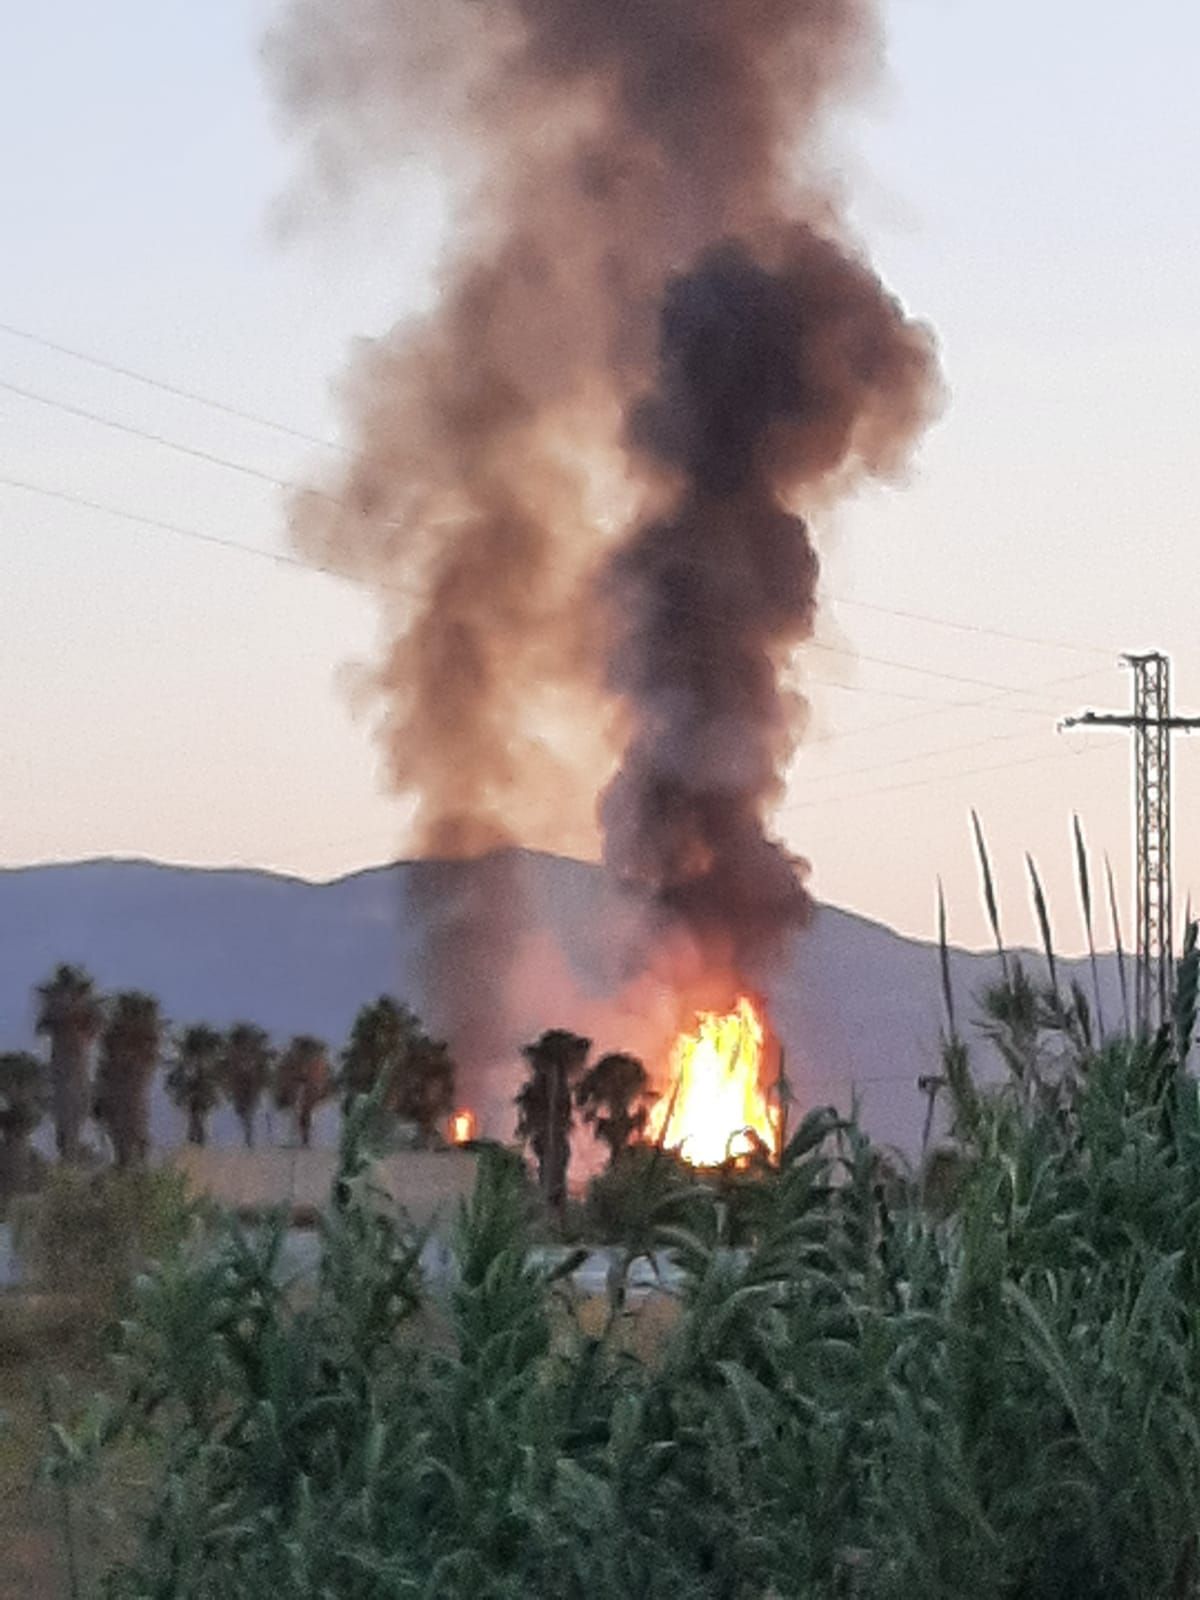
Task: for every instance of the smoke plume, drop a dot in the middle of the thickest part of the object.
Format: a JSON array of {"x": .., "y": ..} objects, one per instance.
[
  {"x": 782, "y": 373},
  {"x": 578, "y": 486}
]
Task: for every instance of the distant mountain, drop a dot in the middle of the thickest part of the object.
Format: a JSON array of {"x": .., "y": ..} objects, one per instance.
[{"x": 857, "y": 1005}]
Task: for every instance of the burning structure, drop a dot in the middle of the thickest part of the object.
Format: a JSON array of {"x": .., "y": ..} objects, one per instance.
[{"x": 581, "y": 486}]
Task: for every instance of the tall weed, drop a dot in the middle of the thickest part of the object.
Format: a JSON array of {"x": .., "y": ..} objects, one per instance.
[{"x": 862, "y": 1395}]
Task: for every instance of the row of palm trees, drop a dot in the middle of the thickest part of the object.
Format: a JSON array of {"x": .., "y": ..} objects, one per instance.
[
  {"x": 105, "y": 1050},
  {"x": 613, "y": 1097}
]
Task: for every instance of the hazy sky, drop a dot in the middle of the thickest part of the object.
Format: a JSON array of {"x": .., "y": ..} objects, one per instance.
[{"x": 1027, "y": 182}]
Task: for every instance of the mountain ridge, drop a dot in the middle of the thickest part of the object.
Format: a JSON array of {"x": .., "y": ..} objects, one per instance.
[{"x": 857, "y": 1004}]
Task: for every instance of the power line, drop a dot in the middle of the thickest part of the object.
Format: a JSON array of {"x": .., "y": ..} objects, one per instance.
[
  {"x": 279, "y": 557},
  {"x": 870, "y": 689},
  {"x": 129, "y": 428},
  {"x": 259, "y": 420},
  {"x": 986, "y": 702},
  {"x": 298, "y": 563},
  {"x": 283, "y": 558},
  {"x": 919, "y": 699},
  {"x": 177, "y": 390},
  {"x": 904, "y": 666},
  {"x": 212, "y": 458},
  {"x": 923, "y": 755},
  {"x": 804, "y": 805},
  {"x": 924, "y": 783},
  {"x": 969, "y": 627},
  {"x": 920, "y": 783}
]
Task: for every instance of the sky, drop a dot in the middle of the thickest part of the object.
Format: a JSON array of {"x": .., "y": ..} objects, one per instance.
[{"x": 1025, "y": 181}]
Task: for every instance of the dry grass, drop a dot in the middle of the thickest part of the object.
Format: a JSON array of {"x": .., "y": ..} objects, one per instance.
[
  {"x": 642, "y": 1327},
  {"x": 50, "y": 1356}
]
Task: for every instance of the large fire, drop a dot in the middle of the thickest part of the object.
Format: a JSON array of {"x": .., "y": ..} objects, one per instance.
[{"x": 715, "y": 1106}]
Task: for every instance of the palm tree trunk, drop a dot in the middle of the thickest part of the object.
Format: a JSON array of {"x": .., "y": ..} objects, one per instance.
[
  {"x": 139, "y": 1120},
  {"x": 197, "y": 1133},
  {"x": 556, "y": 1155},
  {"x": 304, "y": 1123},
  {"x": 14, "y": 1167},
  {"x": 130, "y": 1145},
  {"x": 247, "y": 1121},
  {"x": 69, "y": 1075},
  {"x": 122, "y": 1131}
]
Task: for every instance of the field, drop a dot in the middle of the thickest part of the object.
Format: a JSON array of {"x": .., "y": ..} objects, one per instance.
[
  {"x": 978, "y": 1378},
  {"x": 50, "y": 1352},
  {"x": 50, "y": 1362}
]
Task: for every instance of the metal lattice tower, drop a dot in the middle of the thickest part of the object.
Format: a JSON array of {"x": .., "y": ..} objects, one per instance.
[
  {"x": 1152, "y": 724},
  {"x": 1152, "y": 786}
]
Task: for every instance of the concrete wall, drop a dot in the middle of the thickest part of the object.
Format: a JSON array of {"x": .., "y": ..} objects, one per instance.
[{"x": 428, "y": 1183}]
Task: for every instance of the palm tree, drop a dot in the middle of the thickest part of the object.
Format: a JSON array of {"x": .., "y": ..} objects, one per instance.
[
  {"x": 302, "y": 1081},
  {"x": 130, "y": 1047},
  {"x": 24, "y": 1098},
  {"x": 544, "y": 1118},
  {"x": 378, "y": 1044},
  {"x": 193, "y": 1081},
  {"x": 245, "y": 1071},
  {"x": 425, "y": 1093},
  {"x": 388, "y": 1037},
  {"x": 70, "y": 1014},
  {"x": 614, "y": 1097}
]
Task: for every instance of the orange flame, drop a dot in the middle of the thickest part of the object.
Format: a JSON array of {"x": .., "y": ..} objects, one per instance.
[
  {"x": 462, "y": 1127},
  {"x": 715, "y": 1102}
]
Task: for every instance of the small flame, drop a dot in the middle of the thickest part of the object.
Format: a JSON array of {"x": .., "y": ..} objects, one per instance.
[
  {"x": 715, "y": 1107},
  {"x": 462, "y": 1127}
]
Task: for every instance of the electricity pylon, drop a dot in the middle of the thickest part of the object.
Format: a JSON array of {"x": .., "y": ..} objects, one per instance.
[{"x": 1153, "y": 724}]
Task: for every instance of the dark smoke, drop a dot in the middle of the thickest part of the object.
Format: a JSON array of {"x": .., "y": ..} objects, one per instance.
[
  {"x": 613, "y": 161},
  {"x": 775, "y": 381}
]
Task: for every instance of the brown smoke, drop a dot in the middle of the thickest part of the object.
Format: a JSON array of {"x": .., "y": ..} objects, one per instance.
[{"x": 616, "y": 161}]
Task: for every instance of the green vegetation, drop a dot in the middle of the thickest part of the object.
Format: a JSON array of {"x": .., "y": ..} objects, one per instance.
[
  {"x": 70, "y": 1015},
  {"x": 87, "y": 1234},
  {"x": 24, "y": 1100},
  {"x": 245, "y": 1069},
  {"x": 614, "y": 1097},
  {"x": 544, "y": 1107},
  {"x": 193, "y": 1081},
  {"x": 84, "y": 1239},
  {"x": 388, "y": 1041},
  {"x": 303, "y": 1081},
  {"x": 204, "y": 1067},
  {"x": 869, "y": 1396},
  {"x": 852, "y": 1382},
  {"x": 130, "y": 1045}
]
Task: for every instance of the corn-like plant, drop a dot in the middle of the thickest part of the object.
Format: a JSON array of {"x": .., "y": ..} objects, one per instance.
[{"x": 860, "y": 1394}]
